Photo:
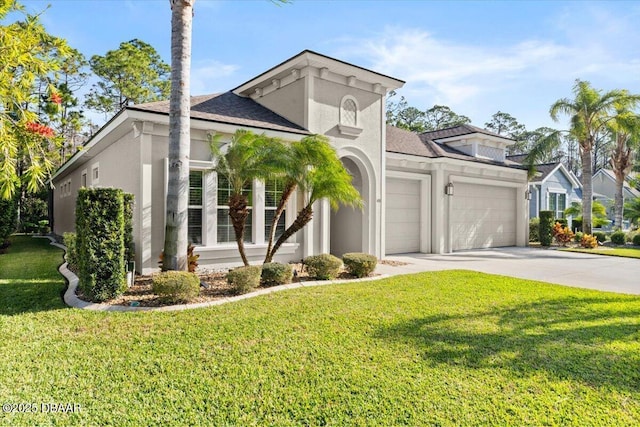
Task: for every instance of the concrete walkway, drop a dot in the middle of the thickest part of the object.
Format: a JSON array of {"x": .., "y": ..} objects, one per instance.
[{"x": 605, "y": 273}]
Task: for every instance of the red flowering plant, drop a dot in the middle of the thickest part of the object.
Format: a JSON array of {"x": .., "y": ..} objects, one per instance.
[
  {"x": 40, "y": 129},
  {"x": 55, "y": 98}
]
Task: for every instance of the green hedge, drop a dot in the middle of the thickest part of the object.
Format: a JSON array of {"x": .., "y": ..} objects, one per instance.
[
  {"x": 274, "y": 273},
  {"x": 100, "y": 242},
  {"x": 601, "y": 236},
  {"x": 128, "y": 226},
  {"x": 534, "y": 229},
  {"x": 359, "y": 264},
  {"x": 323, "y": 267},
  {"x": 7, "y": 219},
  {"x": 619, "y": 237},
  {"x": 636, "y": 239},
  {"x": 546, "y": 227},
  {"x": 70, "y": 241}
]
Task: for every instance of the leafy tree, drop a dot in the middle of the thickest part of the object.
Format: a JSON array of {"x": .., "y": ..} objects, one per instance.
[
  {"x": 28, "y": 54},
  {"x": 625, "y": 132},
  {"x": 66, "y": 117},
  {"x": 507, "y": 125},
  {"x": 133, "y": 73},
  {"x": 176, "y": 232},
  {"x": 247, "y": 157},
  {"x": 318, "y": 172},
  {"x": 442, "y": 117},
  {"x": 589, "y": 111}
]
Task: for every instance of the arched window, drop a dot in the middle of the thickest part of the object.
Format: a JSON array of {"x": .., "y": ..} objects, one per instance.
[{"x": 349, "y": 116}]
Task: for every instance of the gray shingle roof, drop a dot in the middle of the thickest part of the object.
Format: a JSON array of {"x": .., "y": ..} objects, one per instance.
[
  {"x": 423, "y": 145},
  {"x": 458, "y": 131},
  {"x": 231, "y": 109}
]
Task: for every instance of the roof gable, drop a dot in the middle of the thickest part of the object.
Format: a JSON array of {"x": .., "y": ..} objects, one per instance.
[{"x": 229, "y": 108}]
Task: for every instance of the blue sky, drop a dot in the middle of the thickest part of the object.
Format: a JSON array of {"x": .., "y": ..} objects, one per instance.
[{"x": 477, "y": 57}]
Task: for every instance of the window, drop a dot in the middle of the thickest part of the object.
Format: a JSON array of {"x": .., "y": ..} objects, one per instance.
[
  {"x": 95, "y": 174},
  {"x": 558, "y": 203},
  {"x": 194, "y": 216},
  {"x": 272, "y": 192},
  {"x": 349, "y": 113},
  {"x": 225, "y": 230}
]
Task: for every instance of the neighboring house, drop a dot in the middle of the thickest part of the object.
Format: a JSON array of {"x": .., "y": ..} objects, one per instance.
[
  {"x": 554, "y": 188},
  {"x": 604, "y": 184},
  {"x": 434, "y": 193}
]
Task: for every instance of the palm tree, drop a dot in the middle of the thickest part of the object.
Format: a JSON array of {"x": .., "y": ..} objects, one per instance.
[
  {"x": 247, "y": 157},
  {"x": 632, "y": 210},
  {"x": 589, "y": 112},
  {"x": 625, "y": 129},
  {"x": 176, "y": 232},
  {"x": 317, "y": 170},
  {"x": 598, "y": 211}
]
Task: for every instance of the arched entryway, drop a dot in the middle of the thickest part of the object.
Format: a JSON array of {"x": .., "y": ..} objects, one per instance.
[{"x": 350, "y": 226}]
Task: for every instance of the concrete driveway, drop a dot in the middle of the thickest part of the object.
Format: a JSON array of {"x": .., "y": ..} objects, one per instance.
[{"x": 605, "y": 273}]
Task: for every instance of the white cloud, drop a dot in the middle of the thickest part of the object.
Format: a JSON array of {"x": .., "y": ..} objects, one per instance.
[
  {"x": 210, "y": 76},
  {"x": 478, "y": 80}
]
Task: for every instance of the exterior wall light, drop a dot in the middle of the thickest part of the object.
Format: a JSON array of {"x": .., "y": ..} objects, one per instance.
[
  {"x": 527, "y": 195},
  {"x": 448, "y": 190}
]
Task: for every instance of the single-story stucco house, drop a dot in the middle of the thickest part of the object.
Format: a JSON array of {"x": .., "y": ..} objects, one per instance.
[{"x": 434, "y": 193}]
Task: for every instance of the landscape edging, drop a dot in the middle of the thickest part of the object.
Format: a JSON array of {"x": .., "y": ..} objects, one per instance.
[{"x": 72, "y": 300}]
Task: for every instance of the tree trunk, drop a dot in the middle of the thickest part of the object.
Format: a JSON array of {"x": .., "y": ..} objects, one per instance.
[
  {"x": 238, "y": 212},
  {"x": 176, "y": 232},
  {"x": 282, "y": 203},
  {"x": 621, "y": 164},
  {"x": 587, "y": 189},
  {"x": 303, "y": 218}
]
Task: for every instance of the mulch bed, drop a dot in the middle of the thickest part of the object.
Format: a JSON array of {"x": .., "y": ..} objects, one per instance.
[{"x": 140, "y": 294}]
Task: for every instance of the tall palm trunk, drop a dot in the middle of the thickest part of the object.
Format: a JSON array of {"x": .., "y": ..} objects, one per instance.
[
  {"x": 238, "y": 212},
  {"x": 587, "y": 188},
  {"x": 621, "y": 164},
  {"x": 304, "y": 216},
  {"x": 282, "y": 203},
  {"x": 176, "y": 232}
]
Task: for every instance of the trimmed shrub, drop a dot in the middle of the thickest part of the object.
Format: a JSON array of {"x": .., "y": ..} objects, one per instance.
[
  {"x": 601, "y": 236},
  {"x": 176, "y": 286},
  {"x": 7, "y": 219},
  {"x": 578, "y": 236},
  {"x": 618, "y": 237},
  {"x": 534, "y": 229},
  {"x": 359, "y": 264},
  {"x": 244, "y": 279},
  {"x": 274, "y": 273},
  {"x": 32, "y": 212},
  {"x": 323, "y": 267},
  {"x": 630, "y": 235},
  {"x": 588, "y": 241},
  {"x": 546, "y": 227},
  {"x": 70, "y": 241},
  {"x": 576, "y": 225},
  {"x": 100, "y": 242},
  {"x": 127, "y": 199},
  {"x": 636, "y": 239}
]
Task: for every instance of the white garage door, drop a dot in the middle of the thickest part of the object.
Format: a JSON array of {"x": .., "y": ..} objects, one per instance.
[
  {"x": 402, "y": 216},
  {"x": 483, "y": 216}
]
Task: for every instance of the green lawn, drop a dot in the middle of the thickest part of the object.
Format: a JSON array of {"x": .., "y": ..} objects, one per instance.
[
  {"x": 445, "y": 348},
  {"x": 611, "y": 251}
]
